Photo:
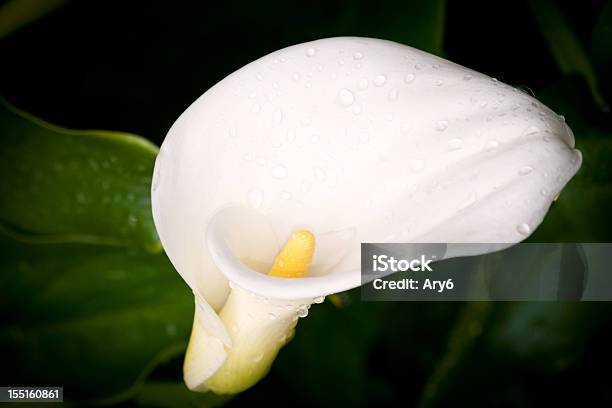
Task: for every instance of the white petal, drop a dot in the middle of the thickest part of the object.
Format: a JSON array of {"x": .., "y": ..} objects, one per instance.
[{"x": 430, "y": 151}]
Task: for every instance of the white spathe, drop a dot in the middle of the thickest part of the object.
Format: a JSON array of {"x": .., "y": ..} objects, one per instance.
[{"x": 357, "y": 140}]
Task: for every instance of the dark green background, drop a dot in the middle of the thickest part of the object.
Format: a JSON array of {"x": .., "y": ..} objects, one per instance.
[{"x": 134, "y": 66}]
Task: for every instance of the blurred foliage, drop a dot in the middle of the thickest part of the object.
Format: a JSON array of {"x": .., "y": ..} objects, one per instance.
[
  {"x": 83, "y": 300},
  {"x": 87, "y": 299}
]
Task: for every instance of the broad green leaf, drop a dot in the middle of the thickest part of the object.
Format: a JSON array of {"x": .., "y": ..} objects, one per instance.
[
  {"x": 166, "y": 394},
  {"x": 565, "y": 46},
  {"x": 84, "y": 303},
  {"x": 92, "y": 319},
  {"x": 61, "y": 185}
]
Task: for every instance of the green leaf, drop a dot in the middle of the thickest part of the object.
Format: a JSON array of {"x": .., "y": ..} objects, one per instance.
[
  {"x": 92, "y": 319},
  {"x": 84, "y": 302},
  {"x": 565, "y": 46},
  {"x": 166, "y": 394},
  {"x": 61, "y": 185}
]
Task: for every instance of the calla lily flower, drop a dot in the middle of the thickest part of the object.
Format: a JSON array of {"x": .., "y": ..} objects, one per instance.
[{"x": 267, "y": 184}]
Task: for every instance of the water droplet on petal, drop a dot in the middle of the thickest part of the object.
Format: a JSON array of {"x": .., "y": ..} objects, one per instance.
[
  {"x": 523, "y": 229},
  {"x": 467, "y": 77},
  {"x": 442, "y": 125},
  {"x": 320, "y": 174},
  {"x": 255, "y": 108},
  {"x": 393, "y": 94},
  {"x": 532, "y": 130},
  {"x": 278, "y": 116},
  {"x": 523, "y": 171},
  {"x": 364, "y": 137},
  {"x": 358, "y": 55},
  {"x": 319, "y": 299},
  {"x": 379, "y": 80},
  {"x": 455, "y": 144},
  {"x": 363, "y": 83},
  {"x": 290, "y": 136},
  {"x": 356, "y": 109},
  {"x": 286, "y": 195},
  {"x": 311, "y": 52},
  {"x": 279, "y": 172},
  {"x": 409, "y": 78},
  {"x": 302, "y": 312},
  {"x": 346, "y": 97}
]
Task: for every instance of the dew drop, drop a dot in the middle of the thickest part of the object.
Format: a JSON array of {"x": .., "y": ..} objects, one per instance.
[
  {"x": 409, "y": 78},
  {"x": 320, "y": 174},
  {"x": 531, "y": 130},
  {"x": 272, "y": 316},
  {"x": 319, "y": 299},
  {"x": 356, "y": 109},
  {"x": 379, "y": 80},
  {"x": 364, "y": 137},
  {"x": 363, "y": 83},
  {"x": 393, "y": 94},
  {"x": 455, "y": 144},
  {"x": 358, "y": 55},
  {"x": 439, "y": 82},
  {"x": 286, "y": 195},
  {"x": 523, "y": 229},
  {"x": 261, "y": 161},
  {"x": 302, "y": 312},
  {"x": 311, "y": 52},
  {"x": 279, "y": 172},
  {"x": 255, "y": 108},
  {"x": 467, "y": 77},
  {"x": 296, "y": 76},
  {"x": 523, "y": 171},
  {"x": 442, "y": 125},
  {"x": 314, "y": 139},
  {"x": 278, "y": 116},
  {"x": 346, "y": 97}
]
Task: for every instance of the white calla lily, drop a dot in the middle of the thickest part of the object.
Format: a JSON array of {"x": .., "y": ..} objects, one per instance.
[{"x": 356, "y": 140}]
